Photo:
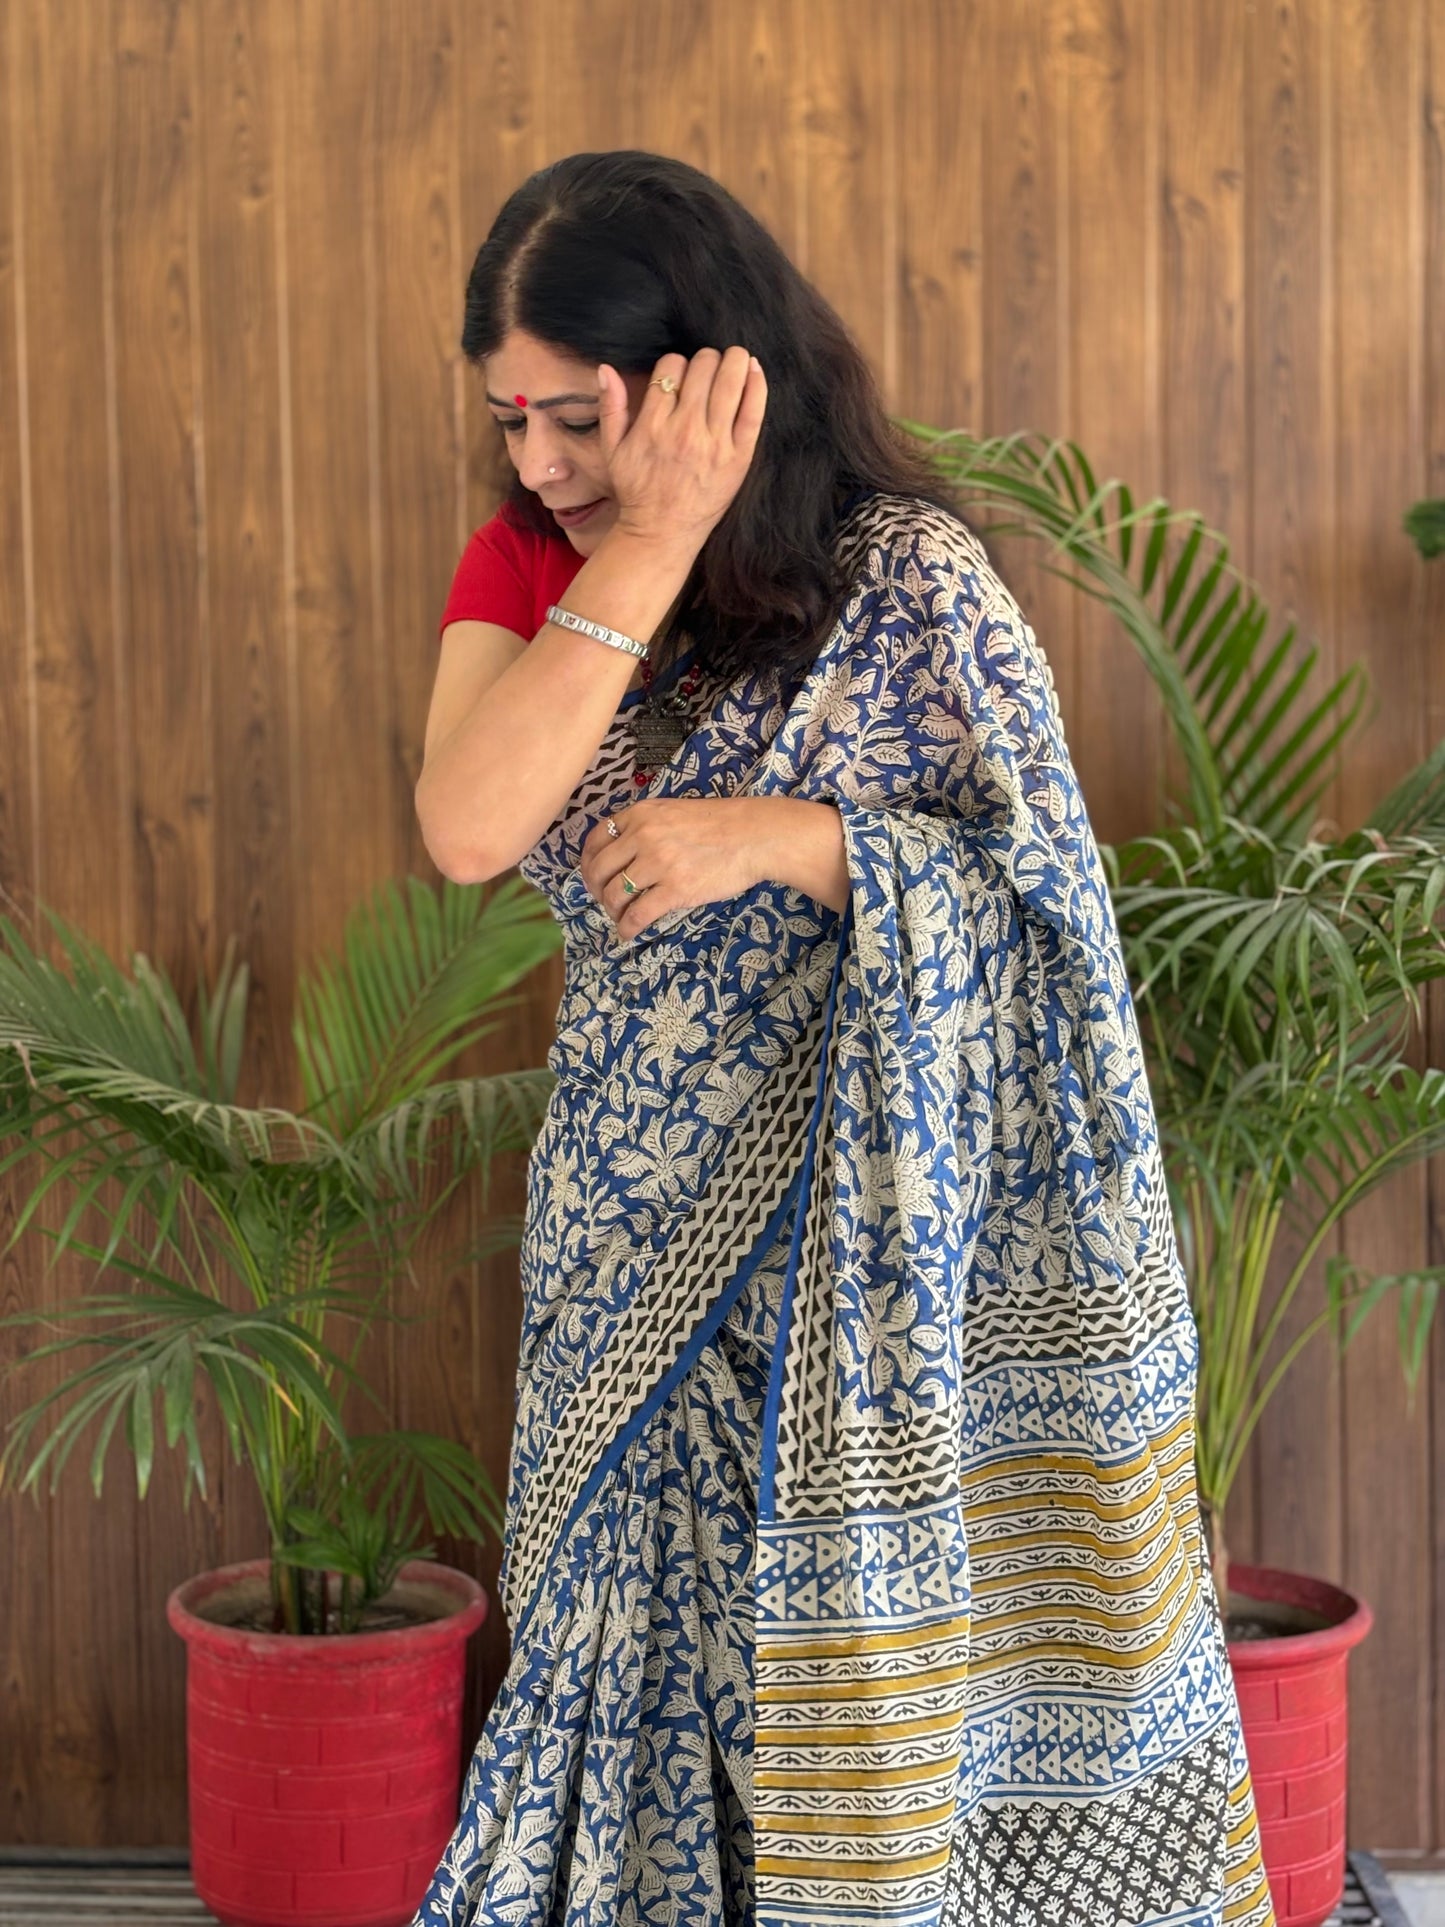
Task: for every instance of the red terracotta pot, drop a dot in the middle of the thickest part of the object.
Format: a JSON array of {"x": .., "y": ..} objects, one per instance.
[
  {"x": 324, "y": 1771},
  {"x": 1292, "y": 1703}
]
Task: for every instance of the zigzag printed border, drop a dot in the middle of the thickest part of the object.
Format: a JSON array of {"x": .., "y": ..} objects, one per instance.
[{"x": 673, "y": 1311}]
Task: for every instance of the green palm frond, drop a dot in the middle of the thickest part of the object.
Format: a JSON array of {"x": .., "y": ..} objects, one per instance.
[
  {"x": 1418, "y": 1296},
  {"x": 154, "y": 1342},
  {"x": 1278, "y": 985},
  {"x": 420, "y": 979},
  {"x": 1416, "y": 806},
  {"x": 1248, "y": 950},
  {"x": 452, "y": 1491},
  {"x": 113, "y": 1047},
  {"x": 135, "y": 1022},
  {"x": 1425, "y": 526},
  {"x": 1254, "y": 746},
  {"x": 370, "y": 1508},
  {"x": 313, "y": 1214},
  {"x": 476, "y": 1117},
  {"x": 1353, "y": 1146}
]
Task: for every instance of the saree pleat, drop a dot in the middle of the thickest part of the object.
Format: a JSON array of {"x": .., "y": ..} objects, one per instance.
[{"x": 853, "y": 1556}]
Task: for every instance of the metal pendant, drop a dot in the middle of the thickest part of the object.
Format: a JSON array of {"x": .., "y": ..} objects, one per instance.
[{"x": 659, "y": 733}]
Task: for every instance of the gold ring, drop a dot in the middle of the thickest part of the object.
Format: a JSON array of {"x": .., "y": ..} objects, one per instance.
[
  {"x": 628, "y": 885},
  {"x": 665, "y": 382}
]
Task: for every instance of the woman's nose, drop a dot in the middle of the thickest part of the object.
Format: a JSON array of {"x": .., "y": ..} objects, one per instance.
[{"x": 541, "y": 460}]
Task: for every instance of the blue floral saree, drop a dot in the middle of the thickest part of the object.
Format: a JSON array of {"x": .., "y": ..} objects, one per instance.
[{"x": 853, "y": 1557}]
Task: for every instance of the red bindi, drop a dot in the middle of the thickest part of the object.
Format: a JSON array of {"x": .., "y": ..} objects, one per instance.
[{"x": 520, "y": 400}]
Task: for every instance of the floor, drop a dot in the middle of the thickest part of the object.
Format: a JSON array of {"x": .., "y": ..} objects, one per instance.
[
  {"x": 134, "y": 1890},
  {"x": 1422, "y": 1895},
  {"x": 154, "y": 1890}
]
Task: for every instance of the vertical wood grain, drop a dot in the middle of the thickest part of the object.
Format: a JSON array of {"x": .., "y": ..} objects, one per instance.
[
  {"x": 503, "y": 95},
  {"x": 762, "y": 152},
  {"x": 260, "y": 875},
  {"x": 626, "y": 73},
  {"x": 25, "y": 1529},
  {"x": 1203, "y": 264},
  {"x": 163, "y": 628},
  {"x": 1110, "y": 60},
  {"x": 326, "y": 88},
  {"x": 1025, "y": 282},
  {"x": 258, "y": 884},
  {"x": 1432, "y": 629},
  {"x": 1378, "y": 266},
  {"x": 159, "y": 479},
  {"x": 419, "y": 277},
  {"x": 342, "y": 723},
  {"x": 1296, "y": 1462},
  {"x": 84, "y": 799},
  {"x": 938, "y": 269},
  {"x": 850, "y": 126}
]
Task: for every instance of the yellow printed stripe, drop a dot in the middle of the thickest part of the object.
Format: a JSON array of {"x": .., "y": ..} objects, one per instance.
[
  {"x": 861, "y": 1826},
  {"x": 1074, "y": 1535},
  {"x": 1129, "y": 1582},
  {"x": 1030, "y": 1650},
  {"x": 842, "y": 1645},
  {"x": 1098, "y": 1615},
  {"x": 1024, "y": 1652},
  {"x": 896, "y": 1686},
  {"x": 1232, "y": 1875},
  {"x": 858, "y": 1732},
  {"x": 1242, "y": 1831},
  {"x": 783, "y": 1778},
  {"x": 907, "y": 1868},
  {"x": 1061, "y": 1458}
]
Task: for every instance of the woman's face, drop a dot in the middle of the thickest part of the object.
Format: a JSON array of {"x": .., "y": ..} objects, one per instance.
[{"x": 546, "y": 403}]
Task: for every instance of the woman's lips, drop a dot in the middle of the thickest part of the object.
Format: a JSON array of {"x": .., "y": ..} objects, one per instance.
[{"x": 569, "y": 518}]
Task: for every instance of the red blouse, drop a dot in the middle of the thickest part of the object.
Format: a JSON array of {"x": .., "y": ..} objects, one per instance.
[{"x": 508, "y": 575}]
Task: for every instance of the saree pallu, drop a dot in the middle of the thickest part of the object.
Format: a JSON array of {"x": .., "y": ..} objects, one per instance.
[{"x": 853, "y": 1556}]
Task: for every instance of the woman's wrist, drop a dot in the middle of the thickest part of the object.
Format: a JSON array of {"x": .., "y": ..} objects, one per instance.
[
  {"x": 630, "y": 584},
  {"x": 666, "y": 554},
  {"x": 798, "y": 843}
]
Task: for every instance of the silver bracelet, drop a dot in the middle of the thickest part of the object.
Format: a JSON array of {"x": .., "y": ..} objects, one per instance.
[{"x": 566, "y": 620}]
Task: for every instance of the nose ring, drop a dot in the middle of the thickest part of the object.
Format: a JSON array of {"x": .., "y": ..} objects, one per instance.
[{"x": 551, "y": 471}]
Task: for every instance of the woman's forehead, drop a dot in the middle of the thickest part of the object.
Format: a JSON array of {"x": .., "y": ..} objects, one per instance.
[{"x": 519, "y": 354}]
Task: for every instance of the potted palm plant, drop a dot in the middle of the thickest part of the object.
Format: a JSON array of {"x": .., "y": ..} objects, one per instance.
[
  {"x": 251, "y": 1251},
  {"x": 1277, "y": 967}
]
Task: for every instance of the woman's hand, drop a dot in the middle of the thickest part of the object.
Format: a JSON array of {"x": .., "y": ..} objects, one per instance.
[
  {"x": 680, "y": 851},
  {"x": 677, "y": 466}
]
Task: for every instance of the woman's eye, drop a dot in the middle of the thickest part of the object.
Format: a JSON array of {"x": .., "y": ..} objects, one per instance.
[{"x": 515, "y": 424}]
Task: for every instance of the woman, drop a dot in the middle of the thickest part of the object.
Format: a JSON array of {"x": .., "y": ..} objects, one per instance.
[{"x": 853, "y": 1561}]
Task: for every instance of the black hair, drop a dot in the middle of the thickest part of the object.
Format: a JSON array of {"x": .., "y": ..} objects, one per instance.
[{"x": 626, "y": 256}]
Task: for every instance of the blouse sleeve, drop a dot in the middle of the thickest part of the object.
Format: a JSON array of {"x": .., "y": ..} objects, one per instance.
[{"x": 492, "y": 583}]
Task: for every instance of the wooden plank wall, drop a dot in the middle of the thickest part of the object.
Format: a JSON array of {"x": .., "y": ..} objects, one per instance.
[{"x": 239, "y": 453}]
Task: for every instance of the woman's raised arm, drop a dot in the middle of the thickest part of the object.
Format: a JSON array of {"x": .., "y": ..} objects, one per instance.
[{"x": 495, "y": 779}]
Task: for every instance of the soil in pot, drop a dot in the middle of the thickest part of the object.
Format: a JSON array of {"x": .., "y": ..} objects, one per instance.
[
  {"x": 1269, "y": 1618},
  {"x": 247, "y": 1606}
]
